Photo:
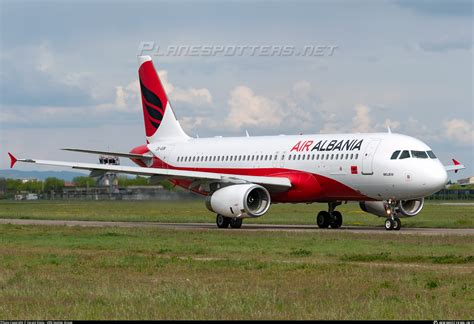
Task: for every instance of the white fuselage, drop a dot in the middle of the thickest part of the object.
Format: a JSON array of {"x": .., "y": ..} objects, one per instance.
[{"x": 361, "y": 162}]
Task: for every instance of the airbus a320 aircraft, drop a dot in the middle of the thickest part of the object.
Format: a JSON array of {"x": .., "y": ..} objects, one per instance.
[{"x": 388, "y": 174}]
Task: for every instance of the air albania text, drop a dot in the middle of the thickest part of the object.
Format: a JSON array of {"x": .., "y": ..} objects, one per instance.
[{"x": 325, "y": 145}]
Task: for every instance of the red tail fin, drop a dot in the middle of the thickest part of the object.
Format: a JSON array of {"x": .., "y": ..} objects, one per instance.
[
  {"x": 154, "y": 98},
  {"x": 160, "y": 121}
]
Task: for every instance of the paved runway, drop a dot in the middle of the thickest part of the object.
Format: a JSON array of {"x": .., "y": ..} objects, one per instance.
[{"x": 245, "y": 227}]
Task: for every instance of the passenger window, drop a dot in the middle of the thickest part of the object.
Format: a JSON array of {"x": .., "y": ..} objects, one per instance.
[
  {"x": 419, "y": 154},
  {"x": 405, "y": 155},
  {"x": 395, "y": 155},
  {"x": 431, "y": 154}
]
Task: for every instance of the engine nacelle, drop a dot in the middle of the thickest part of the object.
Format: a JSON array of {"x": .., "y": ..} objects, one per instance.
[
  {"x": 404, "y": 208},
  {"x": 410, "y": 208},
  {"x": 240, "y": 200},
  {"x": 374, "y": 207}
]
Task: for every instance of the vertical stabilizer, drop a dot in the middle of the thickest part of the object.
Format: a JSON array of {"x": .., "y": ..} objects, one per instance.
[{"x": 160, "y": 121}]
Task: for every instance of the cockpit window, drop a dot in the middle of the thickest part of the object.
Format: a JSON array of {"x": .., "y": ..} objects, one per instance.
[
  {"x": 404, "y": 155},
  {"x": 395, "y": 155},
  {"x": 419, "y": 154},
  {"x": 431, "y": 154}
]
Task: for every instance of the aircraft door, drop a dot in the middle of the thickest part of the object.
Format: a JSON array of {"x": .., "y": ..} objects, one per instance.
[
  {"x": 282, "y": 158},
  {"x": 368, "y": 156},
  {"x": 165, "y": 153}
]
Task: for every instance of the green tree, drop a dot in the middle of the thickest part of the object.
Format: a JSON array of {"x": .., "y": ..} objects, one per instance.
[
  {"x": 32, "y": 186},
  {"x": 14, "y": 185},
  {"x": 53, "y": 183},
  {"x": 138, "y": 181},
  {"x": 84, "y": 181}
]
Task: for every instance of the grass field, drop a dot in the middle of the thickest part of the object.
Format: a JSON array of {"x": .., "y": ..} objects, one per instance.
[
  {"x": 433, "y": 214},
  {"x": 52, "y": 272}
]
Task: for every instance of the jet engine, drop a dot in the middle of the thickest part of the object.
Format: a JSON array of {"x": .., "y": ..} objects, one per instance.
[
  {"x": 404, "y": 208},
  {"x": 240, "y": 200},
  {"x": 409, "y": 208}
]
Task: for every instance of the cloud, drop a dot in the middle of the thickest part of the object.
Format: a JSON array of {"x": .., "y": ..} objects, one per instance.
[
  {"x": 127, "y": 99},
  {"x": 456, "y": 8},
  {"x": 361, "y": 122},
  {"x": 38, "y": 79},
  {"x": 191, "y": 95},
  {"x": 249, "y": 109},
  {"x": 393, "y": 124},
  {"x": 446, "y": 45},
  {"x": 332, "y": 123},
  {"x": 459, "y": 131}
]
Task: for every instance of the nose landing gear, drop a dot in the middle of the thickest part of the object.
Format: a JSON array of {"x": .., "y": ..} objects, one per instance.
[
  {"x": 330, "y": 218},
  {"x": 392, "y": 222}
]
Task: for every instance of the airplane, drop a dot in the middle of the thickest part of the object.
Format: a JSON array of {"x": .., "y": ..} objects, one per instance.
[{"x": 389, "y": 174}]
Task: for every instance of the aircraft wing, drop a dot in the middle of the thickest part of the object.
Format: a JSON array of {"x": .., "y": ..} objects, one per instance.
[
  {"x": 271, "y": 183},
  {"x": 456, "y": 166}
]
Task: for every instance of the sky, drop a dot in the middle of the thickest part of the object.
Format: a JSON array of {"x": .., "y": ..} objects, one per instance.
[{"x": 69, "y": 72}]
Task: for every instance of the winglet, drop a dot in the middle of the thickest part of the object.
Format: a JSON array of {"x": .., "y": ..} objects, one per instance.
[
  {"x": 12, "y": 160},
  {"x": 456, "y": 163},
  {"x": 456, "y": 166}
]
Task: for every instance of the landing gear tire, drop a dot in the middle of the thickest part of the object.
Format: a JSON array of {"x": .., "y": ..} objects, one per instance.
[
  {"x": 222, "y": 222},
  {"x": 397, "y": 224},
  {"x": 236, "y": 222},
  {"x": 389, "y": 224},
  {"x": 336, "y": 219},
  {"x": 323, "y": 219}
]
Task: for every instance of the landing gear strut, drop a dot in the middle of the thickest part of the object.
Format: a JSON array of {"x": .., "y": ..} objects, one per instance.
[
  {"x": 331, "y": 217},
  {"x": 392, "y": 222},
  {"x": 224, "y": 222}
]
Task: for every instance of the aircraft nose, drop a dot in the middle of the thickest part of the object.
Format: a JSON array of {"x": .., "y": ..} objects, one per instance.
[{"x": 439, "y": 178}]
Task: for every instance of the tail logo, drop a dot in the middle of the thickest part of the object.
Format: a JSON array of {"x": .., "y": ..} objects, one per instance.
[{"x": 153, "y": 106}]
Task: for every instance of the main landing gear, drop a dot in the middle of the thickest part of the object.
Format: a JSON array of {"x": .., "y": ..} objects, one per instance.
[
  {"x": 392, "y": 222},
  {"x": 331, "y": 217},
  {"x": 225, "y": 222}
]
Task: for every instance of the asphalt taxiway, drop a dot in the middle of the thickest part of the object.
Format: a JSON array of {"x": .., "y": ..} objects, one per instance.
[{"x": 245, "y": 227}]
